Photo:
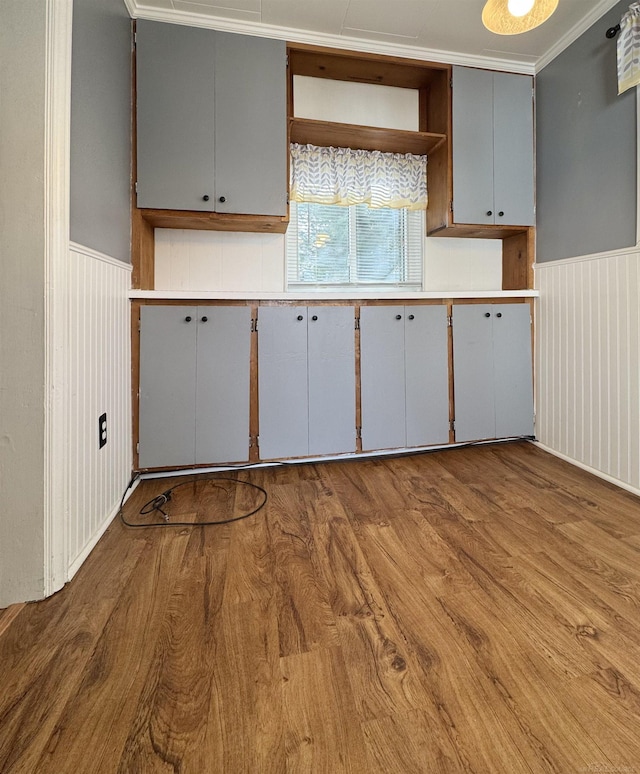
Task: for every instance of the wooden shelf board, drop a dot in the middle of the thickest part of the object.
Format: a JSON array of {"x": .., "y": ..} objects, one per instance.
[
  {"x": 215, "y": 221},
  {"x": 342, "y": 65},
  {"x": 324, "y": 133},
  {"x": 478, "y": 231}
]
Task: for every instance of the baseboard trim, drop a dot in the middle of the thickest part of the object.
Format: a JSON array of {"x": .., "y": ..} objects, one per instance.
[
  {"x": 605, "y": 476},
  {"x": 150, "y": 474},
  {"x": 79, "y": 560}
]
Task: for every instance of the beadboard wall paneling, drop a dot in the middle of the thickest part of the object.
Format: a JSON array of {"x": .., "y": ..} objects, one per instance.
[
  {"x": 462, "y": 264},
  {"x": 252, "y": 263},
  {"x": 588, "y": 362},
  {"x": 98, "y": 381},
  {"x": 218, "y": 260}
]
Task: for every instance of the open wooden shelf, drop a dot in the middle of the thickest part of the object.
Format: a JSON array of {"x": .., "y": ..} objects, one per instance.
[
  {"x": 325, "y": 133},
  {"x": 357, "y": 66},
  {"x": 480, "y": 231},
  {"x": 145, "y": 221},
  {"x": 215, "y": 221}
]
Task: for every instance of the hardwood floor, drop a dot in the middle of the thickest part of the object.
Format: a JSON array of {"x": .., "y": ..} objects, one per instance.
[{"x": 472, "y": 610}]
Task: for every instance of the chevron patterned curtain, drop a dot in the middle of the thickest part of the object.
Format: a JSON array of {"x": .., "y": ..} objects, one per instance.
[
  {"x": 344, "y": 176},
  {"x": 629, "y": 49}
]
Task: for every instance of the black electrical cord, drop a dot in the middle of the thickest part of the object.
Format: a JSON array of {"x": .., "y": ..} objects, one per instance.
[{"x": 157, "y": 503}]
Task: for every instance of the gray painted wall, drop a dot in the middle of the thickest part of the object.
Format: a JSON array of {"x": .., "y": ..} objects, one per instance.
[
  {"x": 586, "y": 150},
  {"x": 22, "y": 131},
  {"x": 101, "y": 127}
]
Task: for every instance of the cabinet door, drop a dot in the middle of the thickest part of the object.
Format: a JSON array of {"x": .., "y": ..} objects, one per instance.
[
  {"x": 492, "y": 147},
  {"x": 175, "y": 116},
  {"x": 251, "y": 130},
  {"x": 222, "y": 384},
  {"x": 513, "y": 369},
  {"x": 332, "y": 379},
  {"x": 472, "y": 138},
  {"x": 427, "y": 375},
  {"x": 473, "y": 372},
  {"x": 492, "y": 371},
  {"x": 382, "y": 377},
  {"x": 513, "y": 149},
  {"x": 167, "y": 385},
  {"x": 282, "y": 382}
]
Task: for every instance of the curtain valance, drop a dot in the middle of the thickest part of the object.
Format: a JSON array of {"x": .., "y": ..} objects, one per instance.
[
  {"x": 629, "y": 49},
  {"x": 326, "y": 175}
]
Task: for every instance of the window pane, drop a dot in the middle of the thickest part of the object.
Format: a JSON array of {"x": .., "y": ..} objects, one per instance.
[
  {"x": 331, "y": 245},
  {"x": 380, "y": 244},
  {"x": 323, "y": 243}
]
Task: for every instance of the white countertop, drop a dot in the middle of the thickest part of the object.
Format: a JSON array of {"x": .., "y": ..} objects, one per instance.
[{"x": 211, "y": 295}]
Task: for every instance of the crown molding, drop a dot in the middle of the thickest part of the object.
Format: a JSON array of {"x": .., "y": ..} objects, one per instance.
[
  {"x": 138, "y": 10},
  {"x": 574, "y": 33},
  {"x": 131, "y": 7}
]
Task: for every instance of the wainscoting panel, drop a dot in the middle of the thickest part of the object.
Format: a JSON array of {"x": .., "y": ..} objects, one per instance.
[
  {"x": 98, "y": 381},
  {"x": 588, "y": 362}
]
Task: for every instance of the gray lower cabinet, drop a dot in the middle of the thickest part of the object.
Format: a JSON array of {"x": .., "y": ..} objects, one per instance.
[
  {"x": 194, "y": 385},
  {"x": 306, "y": 381},
  {"x": 404, "y": 376},
  {"x": 492, "y": 136},
  {"x": 492, "y": 371},
  {"x": 211, "y": 120}
]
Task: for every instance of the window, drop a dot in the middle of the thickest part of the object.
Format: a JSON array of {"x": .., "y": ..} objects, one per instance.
[
  {"x": 357, "y": 218},
  {"x": 336, "y": 246}
]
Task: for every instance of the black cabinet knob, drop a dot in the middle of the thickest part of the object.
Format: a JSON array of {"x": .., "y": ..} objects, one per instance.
[
  {"x": 398, "y": 317},
  {"x": 489, "y": 213},
  {"x": 412, "y": 317},
  {"x": 204, "y": 319},
  {"x": 487, "y": 314},
  {"x": 222, "y": 199},
  {"x": 205, "y": 198},
  {"x": 315, "y": 317},
  {"x": 187, "y": 318},
  {"x": 501, "y": 214},
  {"x": 499, "y": 314},
  {"x": 300, "y": 317}
]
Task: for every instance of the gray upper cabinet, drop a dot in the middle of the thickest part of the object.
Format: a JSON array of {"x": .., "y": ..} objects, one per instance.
[
  {"x": 306, "y": 381},
  {"x": 492, "y": 371},
  {"x": 194, "y": 385},
  {"x": 404, "y": 376},
  {"x": 211, "y": 121},
  {"x": 251, "y": 125},
  {"x": 492, "y": 148}
]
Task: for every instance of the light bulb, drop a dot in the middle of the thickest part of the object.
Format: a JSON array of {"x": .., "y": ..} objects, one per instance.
[{"x": 519, "y": 7}]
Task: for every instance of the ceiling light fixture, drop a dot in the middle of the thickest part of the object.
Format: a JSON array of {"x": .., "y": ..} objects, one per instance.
[
  {"x": 511, "y": 17},
  {"x": 519, "y": 7}
]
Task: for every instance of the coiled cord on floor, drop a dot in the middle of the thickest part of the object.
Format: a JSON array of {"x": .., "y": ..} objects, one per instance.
[{"x": 156, "y": 504}]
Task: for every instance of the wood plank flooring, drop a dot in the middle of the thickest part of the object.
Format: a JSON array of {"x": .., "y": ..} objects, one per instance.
[{"x": 471, "y": 610}]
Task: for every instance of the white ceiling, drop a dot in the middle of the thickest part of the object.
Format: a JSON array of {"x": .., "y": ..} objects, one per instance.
[{"x": 440, "y": 30}]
